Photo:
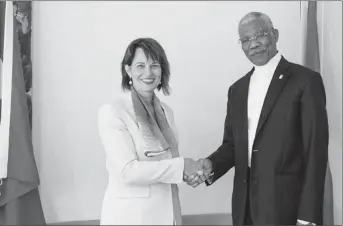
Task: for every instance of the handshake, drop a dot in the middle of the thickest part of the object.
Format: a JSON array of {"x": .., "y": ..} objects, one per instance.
[{"x": 196, "y": 172}]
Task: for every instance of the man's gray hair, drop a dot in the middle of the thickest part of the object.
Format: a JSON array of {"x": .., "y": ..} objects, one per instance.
[{"x": 256, "y": 15}]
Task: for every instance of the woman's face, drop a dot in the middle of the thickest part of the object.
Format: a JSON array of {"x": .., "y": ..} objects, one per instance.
[{"x": 144, "y": 72}]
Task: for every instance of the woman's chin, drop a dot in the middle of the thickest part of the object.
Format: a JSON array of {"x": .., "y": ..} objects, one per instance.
[{"x": 147, "y": 88}]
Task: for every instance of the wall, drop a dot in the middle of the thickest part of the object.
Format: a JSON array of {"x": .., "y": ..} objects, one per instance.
[
  {"x": 77, "y": 48},
  {"x": 330, "y": 34}
]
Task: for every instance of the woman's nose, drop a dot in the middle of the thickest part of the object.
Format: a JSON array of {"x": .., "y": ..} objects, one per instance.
[{"x": 148, "y": 70}]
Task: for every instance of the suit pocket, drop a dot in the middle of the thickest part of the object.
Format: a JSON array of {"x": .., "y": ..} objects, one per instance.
[
  {"x": 132, "y": 191},
  {"x": 291, "y": 165}
]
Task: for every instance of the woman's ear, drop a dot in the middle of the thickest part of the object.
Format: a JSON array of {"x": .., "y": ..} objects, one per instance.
[{"x": 128, "y": 70}]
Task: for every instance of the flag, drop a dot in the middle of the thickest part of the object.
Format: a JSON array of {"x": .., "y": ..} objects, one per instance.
[
  {"x": 20, "y": 202},
  {"x": 312, "y": 61}
]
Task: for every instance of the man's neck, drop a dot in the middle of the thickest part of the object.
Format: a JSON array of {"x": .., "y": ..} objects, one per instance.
[
  {"x": 276, "y": 52},
  {"x": 272, "y": 61}
]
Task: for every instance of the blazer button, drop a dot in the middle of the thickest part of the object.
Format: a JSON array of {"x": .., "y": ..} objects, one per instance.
[{"x": 245, "y": 181}]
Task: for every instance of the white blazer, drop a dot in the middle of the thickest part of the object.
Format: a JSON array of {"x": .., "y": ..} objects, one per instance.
[{"x": 139, "y": 187}]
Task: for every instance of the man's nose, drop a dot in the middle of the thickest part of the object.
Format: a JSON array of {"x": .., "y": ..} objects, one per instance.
[{"x": 254, "y": 44}]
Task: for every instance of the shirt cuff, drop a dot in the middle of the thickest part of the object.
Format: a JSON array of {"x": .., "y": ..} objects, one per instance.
[{"x": 210, "y": 179}]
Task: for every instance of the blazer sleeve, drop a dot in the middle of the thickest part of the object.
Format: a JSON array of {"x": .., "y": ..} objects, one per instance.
[
  {"x": 224, "y": 158},
  {"x": 315, "y": 132},
  {"x": 122, "y": 158}
]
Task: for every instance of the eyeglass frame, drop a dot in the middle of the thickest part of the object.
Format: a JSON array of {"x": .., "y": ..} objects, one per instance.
[{"x": 261, "y": 33}]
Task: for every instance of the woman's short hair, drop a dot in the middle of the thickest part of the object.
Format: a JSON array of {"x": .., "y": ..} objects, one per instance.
[{"x": 153, "y": 50}]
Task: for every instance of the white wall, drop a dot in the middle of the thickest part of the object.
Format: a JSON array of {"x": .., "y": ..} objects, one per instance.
[
  {"x": 77, "y": 48},
  {"x": 330, "y": 34}
]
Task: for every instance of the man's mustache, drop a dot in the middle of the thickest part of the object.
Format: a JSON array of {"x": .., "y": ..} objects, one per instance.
[{"x": 254, "y": 52}]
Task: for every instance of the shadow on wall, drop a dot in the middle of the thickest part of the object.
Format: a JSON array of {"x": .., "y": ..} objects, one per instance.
[{"x": 203, "y": 219}]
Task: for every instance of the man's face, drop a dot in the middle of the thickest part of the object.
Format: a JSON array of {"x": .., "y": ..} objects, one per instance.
[{"x": 258, "y": 42}]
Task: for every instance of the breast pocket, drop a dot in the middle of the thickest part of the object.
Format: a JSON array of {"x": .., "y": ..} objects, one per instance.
[{"x": 292, "y": 112}]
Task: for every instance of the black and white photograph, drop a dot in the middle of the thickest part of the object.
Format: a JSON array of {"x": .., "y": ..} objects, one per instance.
[{"x": 171, "y": 113}]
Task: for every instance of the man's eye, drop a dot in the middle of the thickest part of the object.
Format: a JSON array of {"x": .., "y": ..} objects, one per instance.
[
  {"x": 245, "y": 40},
  {"x": 259, "y": 35}
]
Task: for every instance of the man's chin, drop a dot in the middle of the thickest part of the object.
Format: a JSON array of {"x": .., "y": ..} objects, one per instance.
[{"x": 259, "y": 61}]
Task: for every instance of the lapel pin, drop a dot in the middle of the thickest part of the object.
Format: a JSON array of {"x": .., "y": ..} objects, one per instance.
[{"x": 281, "y": 76}]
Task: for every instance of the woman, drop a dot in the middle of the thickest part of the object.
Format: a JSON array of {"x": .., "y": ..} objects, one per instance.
[{"x": 140, "y": 141}]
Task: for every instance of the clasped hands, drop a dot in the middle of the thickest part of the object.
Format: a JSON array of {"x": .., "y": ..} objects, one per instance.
[{"x": 196, "y": 172}]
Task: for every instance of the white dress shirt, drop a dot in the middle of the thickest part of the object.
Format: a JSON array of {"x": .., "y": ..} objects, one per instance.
[{"x": 258, "y": 87}]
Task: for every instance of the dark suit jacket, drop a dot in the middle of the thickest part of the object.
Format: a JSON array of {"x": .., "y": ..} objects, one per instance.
[{"x": 291, "y": 148}]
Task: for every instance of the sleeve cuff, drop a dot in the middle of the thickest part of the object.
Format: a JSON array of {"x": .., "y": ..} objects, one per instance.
[
  {"x": 180, "y": 166},
  {"x": 210, "y": 179}
]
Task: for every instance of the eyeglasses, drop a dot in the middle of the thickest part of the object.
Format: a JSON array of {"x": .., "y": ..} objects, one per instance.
[{"x": 259, "y": 37}]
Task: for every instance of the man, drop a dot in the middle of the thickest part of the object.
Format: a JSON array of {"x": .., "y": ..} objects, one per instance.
[{"x": 275, "y": 135}]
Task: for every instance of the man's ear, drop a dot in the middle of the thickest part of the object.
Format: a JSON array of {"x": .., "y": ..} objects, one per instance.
[
  {"x": 275, "y": 34},
  {"x": 128, "y": 70}
]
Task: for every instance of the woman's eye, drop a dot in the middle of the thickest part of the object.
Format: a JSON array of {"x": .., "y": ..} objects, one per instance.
[{"x": 156, "y": 66}]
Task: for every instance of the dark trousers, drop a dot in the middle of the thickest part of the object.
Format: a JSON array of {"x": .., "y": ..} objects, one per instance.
[{"x": 247, "y": 218}]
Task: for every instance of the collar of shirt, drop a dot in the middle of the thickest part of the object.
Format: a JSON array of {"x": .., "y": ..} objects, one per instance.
[{"x": 269, "y": 68}]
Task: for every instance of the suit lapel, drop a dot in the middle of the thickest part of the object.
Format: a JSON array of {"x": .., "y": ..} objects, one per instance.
[
  {"x": 166, "y": 113},
  {"x": 279, "y": 80},
  {"x": 241, "y": 110}
]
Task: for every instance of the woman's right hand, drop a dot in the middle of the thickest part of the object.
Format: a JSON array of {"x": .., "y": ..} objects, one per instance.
[{"x": 191, "y": 169}]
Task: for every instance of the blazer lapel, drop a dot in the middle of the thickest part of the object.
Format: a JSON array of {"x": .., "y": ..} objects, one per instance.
[
  {"x": 166, "y": 113},
  {"x": 279, "y": 80},
  {"x": 241, "y": 110}
]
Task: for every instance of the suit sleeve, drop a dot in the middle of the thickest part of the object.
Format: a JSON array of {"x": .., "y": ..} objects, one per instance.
[
  {"x": 224, "y": 159},
  {"x": 122, "y": 158},
  {"x": 315, "y": 134}
]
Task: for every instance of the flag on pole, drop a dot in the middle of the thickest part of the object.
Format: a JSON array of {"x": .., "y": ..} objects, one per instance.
[
  {"x": 312, "y": 60},
  {"x": 19, "y": 196}
]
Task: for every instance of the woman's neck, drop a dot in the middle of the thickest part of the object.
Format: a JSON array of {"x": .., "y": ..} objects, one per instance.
[{"x": 147, "y": 97}]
